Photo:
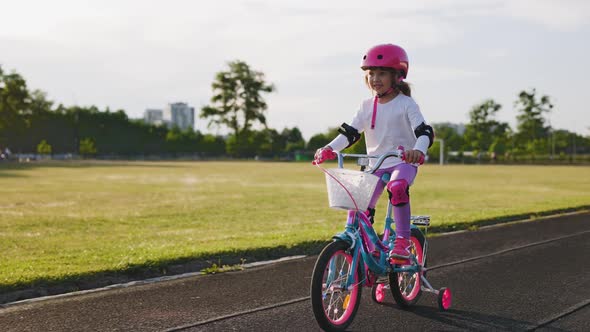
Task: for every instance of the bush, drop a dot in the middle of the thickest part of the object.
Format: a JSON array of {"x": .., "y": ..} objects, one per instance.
[
  {"x": 87, "y": 147},
  {"x": 43, "y": 147}
]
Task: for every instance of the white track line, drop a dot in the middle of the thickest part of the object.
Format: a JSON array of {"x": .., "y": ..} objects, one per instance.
[
  {"x": 562, "y": 314},
  {"x": 505, "y": 251},
  {"x": 137, "y": 283},
  {"x": 236, "y": 314}
]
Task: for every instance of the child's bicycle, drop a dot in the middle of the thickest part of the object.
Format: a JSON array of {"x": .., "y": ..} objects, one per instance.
[{"x": 357, "y": 257}]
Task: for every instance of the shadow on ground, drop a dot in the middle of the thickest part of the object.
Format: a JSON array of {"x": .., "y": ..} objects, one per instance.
[
  {"x": 464, "y": 320},
  {"x": 473, "y": 321}
]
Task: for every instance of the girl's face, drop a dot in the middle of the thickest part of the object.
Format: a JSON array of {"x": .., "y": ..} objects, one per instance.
[{"x": 380, "y": 80}]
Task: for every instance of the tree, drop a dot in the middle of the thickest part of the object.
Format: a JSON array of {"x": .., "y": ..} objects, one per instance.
[
  {"x": 242, "y": 145},
  {"x": 483, "y": 130},
  {"x": 43, "y": 147},
  {"x": 453, "y": 141},
  {"x": 320, "y": 140},
  {"x": 263, "y": 143},
  {"x": 39, "y": 103},
  {"x": 236, "y": 102},
  {"x": 14, "y": 103},
  {"x": 450, "y": 134},
  {"x": 531, "y": 130},
  {"x": 28, "y": 117},
  {"x": 293, "y": 139},
  {"x": 317, "y": 141},
  {"x": 212, "y": 145},
  {"x": 87, "y": 147}
]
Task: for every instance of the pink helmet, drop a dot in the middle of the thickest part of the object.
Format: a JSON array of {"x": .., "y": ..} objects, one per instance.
[{"x": 388, "y": 56}]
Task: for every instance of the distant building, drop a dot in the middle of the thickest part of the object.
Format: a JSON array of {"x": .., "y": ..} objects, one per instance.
[
  {"x": 153, "y": 116},
  {"x": 179, "y": 115}
]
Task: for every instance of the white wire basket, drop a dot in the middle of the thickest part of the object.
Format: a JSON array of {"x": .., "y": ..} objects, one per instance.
[{"x": 360, "y": 185}]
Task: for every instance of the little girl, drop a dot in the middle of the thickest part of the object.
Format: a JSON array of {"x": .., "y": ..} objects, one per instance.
[{"x": 390, "y": 119}]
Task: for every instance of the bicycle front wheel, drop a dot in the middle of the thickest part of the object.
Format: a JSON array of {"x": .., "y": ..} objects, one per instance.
[{"x": 334, "y": 304}]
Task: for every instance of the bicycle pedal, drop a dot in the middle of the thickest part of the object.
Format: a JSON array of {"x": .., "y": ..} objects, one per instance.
[
  {"x": 399, "y": 256},
  {"x": 400, "y": 262},
  {"x": 400, "y": 259}
]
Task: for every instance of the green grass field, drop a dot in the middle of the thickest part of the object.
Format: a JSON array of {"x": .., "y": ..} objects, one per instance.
[{"x": 62, "y": 220}]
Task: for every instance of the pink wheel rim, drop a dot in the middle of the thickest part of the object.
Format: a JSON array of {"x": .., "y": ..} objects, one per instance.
[
  {"x": 380, "y": 293},
  {"x": 446, "y": 299}
]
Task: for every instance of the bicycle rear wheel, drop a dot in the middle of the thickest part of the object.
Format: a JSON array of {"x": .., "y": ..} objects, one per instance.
[
  {"x": 335, "y": 305},
  {"x": 406, "y": 286}
]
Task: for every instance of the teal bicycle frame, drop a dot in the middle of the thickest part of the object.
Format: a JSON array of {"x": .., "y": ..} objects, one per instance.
[
  {"x": 364, "y": 243},
  {"x": 366, "y": 246}
]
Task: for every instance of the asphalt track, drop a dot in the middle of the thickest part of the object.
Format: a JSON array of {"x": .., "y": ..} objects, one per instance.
[{"x": 532, "y": 275}]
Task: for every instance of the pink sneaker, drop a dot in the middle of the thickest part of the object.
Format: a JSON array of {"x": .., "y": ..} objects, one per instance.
[{"x": 401, "y": 251}]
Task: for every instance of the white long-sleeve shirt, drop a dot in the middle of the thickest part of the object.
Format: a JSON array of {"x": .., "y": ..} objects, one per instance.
[{"x": 395, "y": 123}]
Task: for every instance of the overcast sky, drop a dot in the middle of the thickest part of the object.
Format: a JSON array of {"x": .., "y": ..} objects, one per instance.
[{"x": 134, "y": 55}]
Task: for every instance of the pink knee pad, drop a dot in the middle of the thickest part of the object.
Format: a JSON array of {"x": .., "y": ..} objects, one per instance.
[{"x": 399, "y": 192}]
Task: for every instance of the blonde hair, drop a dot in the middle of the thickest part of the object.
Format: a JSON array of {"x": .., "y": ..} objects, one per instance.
[{"x": 403, "y": 86}]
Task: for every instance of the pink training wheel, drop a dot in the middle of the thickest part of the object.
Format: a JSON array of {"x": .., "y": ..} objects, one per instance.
[
  {"x": 444, "y": 299},
  {"x": 378, "y": 293}
]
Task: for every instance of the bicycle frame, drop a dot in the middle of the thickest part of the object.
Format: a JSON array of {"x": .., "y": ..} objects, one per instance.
[
  {"x": 364, "y": 241},
  {"x": 335, "y": 283}
]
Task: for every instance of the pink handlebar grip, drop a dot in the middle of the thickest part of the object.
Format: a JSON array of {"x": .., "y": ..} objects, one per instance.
[
  {"x": 421, "y": 161},
  {"x": 323, "y": 155},
  {"x": 403, "y": 155}
]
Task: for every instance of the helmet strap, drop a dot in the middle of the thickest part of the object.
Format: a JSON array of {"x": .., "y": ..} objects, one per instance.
[{"x": 390, "y": 90}]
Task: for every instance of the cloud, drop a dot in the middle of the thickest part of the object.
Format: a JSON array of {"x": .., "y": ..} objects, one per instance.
[
  {"x": 557, "y": 14},
  {"x": 426, "y": 73},
  {"x": 497, "y": 53}
]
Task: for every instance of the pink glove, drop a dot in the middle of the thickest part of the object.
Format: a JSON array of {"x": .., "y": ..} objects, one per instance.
[{"x": 322, "y": 155}]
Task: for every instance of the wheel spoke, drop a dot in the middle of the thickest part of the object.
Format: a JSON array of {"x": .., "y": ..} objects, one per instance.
[
  {"x": 334, "y": 295},
  {"x": 335, "y": 291}
]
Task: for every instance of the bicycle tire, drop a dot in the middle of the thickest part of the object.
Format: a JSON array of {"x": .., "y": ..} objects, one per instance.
[
  {"x": 406, "y": 287},
  {"x": 422, "y": 239},
  {"x": 332, "y": 311}
]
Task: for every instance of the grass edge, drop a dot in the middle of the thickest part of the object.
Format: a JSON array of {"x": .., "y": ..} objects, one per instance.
[{"x": 228, "y": 260}]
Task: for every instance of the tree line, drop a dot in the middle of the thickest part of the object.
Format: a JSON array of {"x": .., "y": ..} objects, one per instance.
[
  {"x": 534, "y": 138},
  {"x": 30, "y": 123}
]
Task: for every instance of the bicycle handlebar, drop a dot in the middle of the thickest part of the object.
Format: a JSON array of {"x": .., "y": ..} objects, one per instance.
[
  {"x": 399, "y": 153},
  {"x": 380, "y": 158}
]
